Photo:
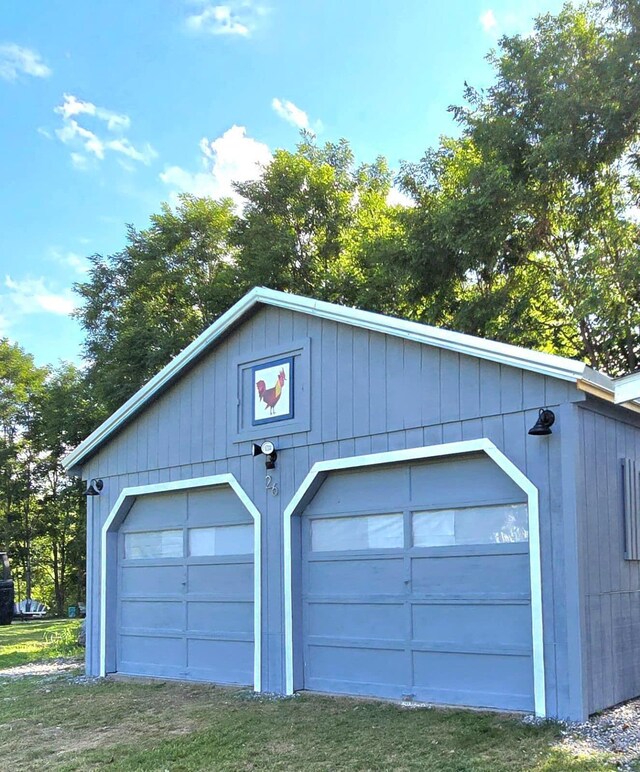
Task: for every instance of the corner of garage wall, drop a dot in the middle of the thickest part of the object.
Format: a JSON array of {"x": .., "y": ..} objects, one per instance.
[
  {"x": 610, "y": 585},
  {"x": 574, "y": 565}
]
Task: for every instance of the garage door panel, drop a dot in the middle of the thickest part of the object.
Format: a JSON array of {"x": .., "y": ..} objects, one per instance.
[
  {"x": 486, "y": 680},
  {"x": 152, "y": 613},
  {"x": 471, "y": 480},
  {"x": 352, "y": 665},
  {"x": 370, "y": 576},
  {"x": 187, "y": 617},
  {"x": 485, "y": 625},
  {"x": 155, "y": 512},
  {"x": 227, "y": 508},
  {"x": 151, "y": 650},
  {"x": 221, "y": 579},
  {"x": 151, "y": 580},
  {"x": 373, "y": 488},
  {"x": 211, "y": 616},
  {"x": 356, "y": 620},
  {"x": 501, "y": 574},
  {"x": 228, "y": 662}
]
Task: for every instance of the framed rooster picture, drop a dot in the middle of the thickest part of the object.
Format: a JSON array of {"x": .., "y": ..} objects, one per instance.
[{"x": 273, "y": 391}]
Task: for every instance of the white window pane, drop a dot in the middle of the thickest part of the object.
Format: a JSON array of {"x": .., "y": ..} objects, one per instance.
[
  {"x": 357, "y": 533},
  {"x": 433, "y": 529},
  {"x": 500, "y": 524},
  {"x": 385, "y": 531},
  {"x": 492, "y": 525},
  {"x": 153, "y": 544},
  {"x": 221, "y": 540}
]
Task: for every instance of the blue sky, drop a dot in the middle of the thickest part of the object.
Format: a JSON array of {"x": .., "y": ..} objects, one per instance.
[{"x": 108, "y": 109}]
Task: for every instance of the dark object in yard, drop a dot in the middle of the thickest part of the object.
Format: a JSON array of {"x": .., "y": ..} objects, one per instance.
[
  {"x": 6, "y": 591},
  {"x": 82, "y": 634}
]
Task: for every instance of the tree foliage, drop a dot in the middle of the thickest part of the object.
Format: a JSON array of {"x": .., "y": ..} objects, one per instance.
[
  {"x": 142, "y": 305},
  {"x": 43, "y": 414},
  {"x": 536, "y": 201}
]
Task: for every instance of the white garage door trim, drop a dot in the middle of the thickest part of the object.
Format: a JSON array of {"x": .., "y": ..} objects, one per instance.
[
  {"x": 123, "y": 504},
  {"x": 320, "y": 469}
]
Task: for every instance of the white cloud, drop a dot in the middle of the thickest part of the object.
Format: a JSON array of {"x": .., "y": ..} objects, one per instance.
[
  {"x": 73, "y": 106},
  {"x": 231, "y": 157},
  {"x": 16, "y": 60},
  {"x": 94, "y": 144},
  {"x": 291, "y": 113},
  {"x": 396, "y": 197},
  {"x": 237, "y": 18},
  {"x": 32, "y": 296},
  {"x": 78, "y": 264},
  {"x": 488, "y": 21}
]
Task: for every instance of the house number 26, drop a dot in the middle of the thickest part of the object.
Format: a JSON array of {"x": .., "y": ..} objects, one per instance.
[{"x": 270, "y": 485}]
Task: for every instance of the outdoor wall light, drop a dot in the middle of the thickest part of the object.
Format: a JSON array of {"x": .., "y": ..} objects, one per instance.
[
  {"x": 94, "y": 487},
  {"x": 268, "y": 450},
  {"x": 542, "y": 426}
]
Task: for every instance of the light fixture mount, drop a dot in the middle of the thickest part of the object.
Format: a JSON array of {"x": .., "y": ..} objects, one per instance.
[
  {"x": 542, "y": 427},
  {"x": 268, "y": 450},
  {"x": 94, "y": 487}
]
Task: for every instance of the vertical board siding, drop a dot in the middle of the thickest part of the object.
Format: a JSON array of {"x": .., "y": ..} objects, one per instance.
[
  {"x": 612, "y": 583},
  {"x": 368, "y": 393}
]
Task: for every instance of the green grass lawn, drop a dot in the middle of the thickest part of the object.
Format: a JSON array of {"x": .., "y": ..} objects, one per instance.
[
  {"x": 64, "y": 723},
  {"x": 24, "y": 642}
]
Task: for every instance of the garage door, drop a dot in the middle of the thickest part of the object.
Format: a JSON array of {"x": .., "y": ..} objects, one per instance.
[
  {"x": 415, "y": 584},
  {"x": 185, "y": 588}
]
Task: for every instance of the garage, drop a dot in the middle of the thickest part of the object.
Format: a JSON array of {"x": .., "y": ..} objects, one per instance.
[
  {"x": 435, "y": 517},
  {"x": 185, "y": 587},
  {"x": 415, "y": 584}
]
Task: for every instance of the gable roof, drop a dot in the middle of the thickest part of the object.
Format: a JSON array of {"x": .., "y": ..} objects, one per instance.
[{"x": 550, "y": 365}]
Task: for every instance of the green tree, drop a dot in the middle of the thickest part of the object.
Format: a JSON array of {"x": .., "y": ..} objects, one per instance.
[
  {"x": 64, "y": 415},
  {"x": 525, "y": 226},
  {"x": 312, "y": 223},
  {"x": 21, "y": 382},
  {"x": 142, "y": 305},
  {"x": 317, "y": 224}
]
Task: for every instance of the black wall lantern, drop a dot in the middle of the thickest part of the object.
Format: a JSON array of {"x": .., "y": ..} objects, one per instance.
[
  {"x": 546, "y": 419},
  {"x": 268, "y": 450},
  {"x": 94, "y": 487}
]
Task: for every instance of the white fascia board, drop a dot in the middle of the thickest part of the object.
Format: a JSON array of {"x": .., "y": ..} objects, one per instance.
[
  {"x": 501, "y": 353},
  {"x": 627, "y": 388}
]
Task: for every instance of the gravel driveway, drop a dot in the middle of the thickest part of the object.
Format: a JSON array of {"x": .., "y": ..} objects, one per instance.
[
  {"x": 51, "y": 667},
  {"x": 616, "y": 730}
]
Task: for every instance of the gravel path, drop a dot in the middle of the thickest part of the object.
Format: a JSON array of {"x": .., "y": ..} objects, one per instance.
[
  {"x": 616, "y": 730},
  {"x": 49, "y": 668}
]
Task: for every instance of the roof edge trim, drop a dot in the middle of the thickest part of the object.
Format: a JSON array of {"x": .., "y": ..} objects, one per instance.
[{"x": 501, "y": 353}]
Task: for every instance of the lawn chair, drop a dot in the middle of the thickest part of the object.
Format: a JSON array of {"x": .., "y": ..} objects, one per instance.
[{"x": 30, "y": 609}]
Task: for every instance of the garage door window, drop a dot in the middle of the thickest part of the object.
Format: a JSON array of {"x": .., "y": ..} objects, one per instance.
[
  {"x": 501, "y": 524},
  {"x": 221, "y": 540},
  {"x": 153, "y": 544},
  {"x": 357, "y": 533}
]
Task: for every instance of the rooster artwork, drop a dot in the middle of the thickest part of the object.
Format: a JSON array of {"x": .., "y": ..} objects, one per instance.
[{"x": 272, "y": 397}]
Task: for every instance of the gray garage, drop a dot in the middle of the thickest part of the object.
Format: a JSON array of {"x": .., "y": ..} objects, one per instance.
[{"x": 312, "y": 497}]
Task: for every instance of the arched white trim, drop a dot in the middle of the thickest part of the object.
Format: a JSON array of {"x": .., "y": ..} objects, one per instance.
[
  {"x": 123, "y": 504},
  {"x": 321, "y": 468}
]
